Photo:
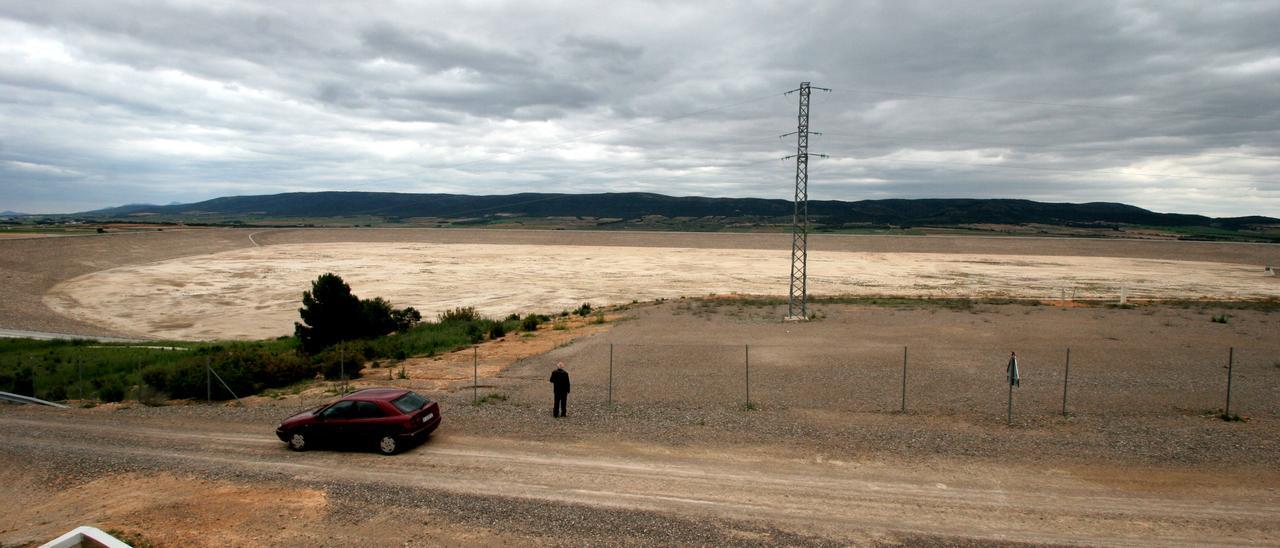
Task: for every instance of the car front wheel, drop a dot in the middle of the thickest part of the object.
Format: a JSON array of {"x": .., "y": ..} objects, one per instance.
[
  {"x": 388, "y": 445},
  {"x": 298, "y": 441}
]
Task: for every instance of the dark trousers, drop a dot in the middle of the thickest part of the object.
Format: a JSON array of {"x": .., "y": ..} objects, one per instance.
[{"x": 557, "y": 408}]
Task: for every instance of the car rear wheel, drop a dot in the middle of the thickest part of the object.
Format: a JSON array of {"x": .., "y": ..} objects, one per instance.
[
  {"x": 298, "y": 441},
  {"x": 388, "y": 445}
]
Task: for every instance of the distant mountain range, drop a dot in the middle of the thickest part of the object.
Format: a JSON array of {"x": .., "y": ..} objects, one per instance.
[
  {"x": 895, "y": 212},
  {"x": 7, "y": 213}
]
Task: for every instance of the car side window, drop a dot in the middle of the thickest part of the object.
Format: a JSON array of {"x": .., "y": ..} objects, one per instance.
[
  {"x": 368, "y": 410},
  {"x": 340, "y": 410}
]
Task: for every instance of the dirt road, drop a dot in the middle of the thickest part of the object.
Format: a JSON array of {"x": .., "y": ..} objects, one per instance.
[{"x": 749, "y": 496}]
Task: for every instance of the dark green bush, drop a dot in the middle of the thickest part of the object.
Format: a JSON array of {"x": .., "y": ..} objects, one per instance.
[
  {"x": 459, "y": 315},
  {"x": 334, "y": 364},
  {"x": 21, "y": 381},
  {"x": 531, "y": 322},
  {"x": 583, "y": 310},
  {"x": 474, "y": 333},
  {"x": 245, "y": 369},
  {"x": 497, "y": 331},
  {"x": 111, "y": 392}
]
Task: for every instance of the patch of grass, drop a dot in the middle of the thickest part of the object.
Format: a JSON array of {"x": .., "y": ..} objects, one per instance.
[
  {"x": 1220, "y": 318},
  {"x": 494, "y": 397},
  {"x": 750, "y": 406}
]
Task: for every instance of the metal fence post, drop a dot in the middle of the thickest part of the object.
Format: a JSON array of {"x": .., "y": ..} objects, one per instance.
[
  {"x": 610, "y": 374},
  {"x": 1065, "y": 376},
  {"x": 1009, "y": 416},
  {"x": 904, "y": 379},
  {"x": 1231, "y": 358},
  {"x": 342, "y": 367},
  {"x": 746, "y": 360},
  {"x": 475, "y": 374},
  {"x": 208, "y": 382}
]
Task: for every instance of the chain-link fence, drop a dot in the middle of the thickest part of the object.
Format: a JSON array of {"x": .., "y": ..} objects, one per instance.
[{"x": 941, "y": 380}]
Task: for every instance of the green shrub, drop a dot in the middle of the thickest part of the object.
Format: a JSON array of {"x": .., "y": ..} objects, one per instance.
[
  {"x": 1220, "y": 318},
  {"x": 111, "y": 393},
  {"x": 497, "y": 331},
  {"x": 584, "y": 310},
  {"x": 530, "y": 322},
  {"x": 459, "y": 315},
  {"x": 334, "y": 364},
  {"x": 20, "y": 381},
  {"x": 474, "y": 333}
]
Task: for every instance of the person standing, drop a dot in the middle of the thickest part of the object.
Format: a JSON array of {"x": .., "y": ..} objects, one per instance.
[{"x": 560, "y": 386}]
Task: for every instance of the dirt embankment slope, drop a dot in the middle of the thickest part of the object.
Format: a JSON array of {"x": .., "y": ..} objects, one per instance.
[{"x": 30, "y": 267}]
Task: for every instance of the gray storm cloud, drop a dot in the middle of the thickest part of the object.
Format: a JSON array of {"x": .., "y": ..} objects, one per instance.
[{"x": 1165, "y": 105}]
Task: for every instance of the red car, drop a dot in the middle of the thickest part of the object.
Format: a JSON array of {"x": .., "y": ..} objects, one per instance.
[{"x": 391, "y": 418}]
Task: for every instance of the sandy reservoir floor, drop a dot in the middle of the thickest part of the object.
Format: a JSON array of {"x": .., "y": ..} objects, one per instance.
[{"x": 254, "y": 293}]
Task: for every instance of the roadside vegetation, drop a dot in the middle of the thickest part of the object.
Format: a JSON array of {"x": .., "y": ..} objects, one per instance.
[{"x": 366, "y": 331}]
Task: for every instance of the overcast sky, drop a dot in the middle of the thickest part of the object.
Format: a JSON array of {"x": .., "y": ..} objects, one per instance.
[{"x": 1172, "y": 106}]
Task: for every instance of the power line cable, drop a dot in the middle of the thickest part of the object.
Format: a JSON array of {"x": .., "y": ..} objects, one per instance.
[
  {"x": 1038, "y": 168},
  {"x": 589, "y": 136},
  {"x": 1061, "y": 148},
  {"x": 1049, "y": 104}
]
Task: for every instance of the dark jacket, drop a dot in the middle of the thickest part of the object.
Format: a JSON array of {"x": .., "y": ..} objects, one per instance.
[{"x": 560, "y": 378}]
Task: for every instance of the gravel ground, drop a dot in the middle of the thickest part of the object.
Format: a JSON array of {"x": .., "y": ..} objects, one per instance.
[
  {"x": 1128, "y": 403},
  {"x": 352, "y": 503}
]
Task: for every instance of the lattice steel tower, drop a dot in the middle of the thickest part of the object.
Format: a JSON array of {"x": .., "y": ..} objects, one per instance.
[{"x": 798, "y": 305}]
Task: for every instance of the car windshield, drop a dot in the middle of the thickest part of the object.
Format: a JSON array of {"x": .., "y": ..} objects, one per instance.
[{"x": 410, "y": 402}]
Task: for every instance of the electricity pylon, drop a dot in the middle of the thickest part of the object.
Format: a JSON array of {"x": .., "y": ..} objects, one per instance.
[{"x": 798, "y": 304}]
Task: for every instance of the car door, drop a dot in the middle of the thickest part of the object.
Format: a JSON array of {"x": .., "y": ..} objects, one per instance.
[
  {"x": 335, "y": 420},
  {"x": 368, "y": 421}
]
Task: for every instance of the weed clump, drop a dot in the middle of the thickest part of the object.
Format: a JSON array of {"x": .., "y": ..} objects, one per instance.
[{"x": 490, "y": 398}]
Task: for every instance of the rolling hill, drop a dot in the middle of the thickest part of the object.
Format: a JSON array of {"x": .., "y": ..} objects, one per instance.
[{"x": 894, "y": 212}]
